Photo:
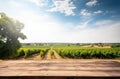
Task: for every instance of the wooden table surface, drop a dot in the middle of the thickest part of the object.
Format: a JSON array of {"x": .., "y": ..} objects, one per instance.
[{"x": 68, "y": 67}]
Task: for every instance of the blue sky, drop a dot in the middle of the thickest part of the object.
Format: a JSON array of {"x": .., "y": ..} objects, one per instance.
[{"x": 83, "y": 21}]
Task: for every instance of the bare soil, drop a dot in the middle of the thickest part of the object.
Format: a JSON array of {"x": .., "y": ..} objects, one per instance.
[
  {"x": 47, "y": 56},
  {"x": 34, "y": 57},
  {"x": 56, "y": 55}
]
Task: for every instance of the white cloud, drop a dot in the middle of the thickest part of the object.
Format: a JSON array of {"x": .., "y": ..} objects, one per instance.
[
  {"x": 92, "y": 3},
  {"x": 63, "y": 6},
  {"x": 85, "y": 12},
  {"x": 106, "y": 33},
  {"x": 104, "y": 23},
  {"x": 42, "y": 28},
  {"x": 98, "y": 12},
  {"x": 39, "y": 3},
  {"x": 82, "y": 26},
  {"x": 14, "y": 3}
]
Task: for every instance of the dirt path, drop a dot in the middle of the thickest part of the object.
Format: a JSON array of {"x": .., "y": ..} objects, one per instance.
[
  {"x": 0, "y": 61},
  {"x": 32, "y": 57},
  {"x": 37, "y": 57},
  {"x": 47, "y": 55},
  {"x": 56, "y": 55}
]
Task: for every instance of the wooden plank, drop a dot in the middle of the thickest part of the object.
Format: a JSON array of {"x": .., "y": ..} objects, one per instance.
[{"x": 74, "y": 67}]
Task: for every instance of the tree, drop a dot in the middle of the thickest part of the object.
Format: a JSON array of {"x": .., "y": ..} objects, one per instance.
[{"x": 10, "y": 32}]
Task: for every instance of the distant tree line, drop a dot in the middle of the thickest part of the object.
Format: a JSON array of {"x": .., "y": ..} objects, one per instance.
[{"x": 115, "y": 45}]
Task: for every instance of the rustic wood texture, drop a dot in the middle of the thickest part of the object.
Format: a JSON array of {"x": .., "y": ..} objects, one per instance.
[{"x": 62, "y": 67}]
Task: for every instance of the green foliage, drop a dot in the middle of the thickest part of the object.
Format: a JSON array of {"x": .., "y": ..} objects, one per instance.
[
  {"x": 21, "y": 53},
  {"x": 51, "y": 53},
  {"x": 115, "y": 45},
  {"x": 43, "y": 52},
  {"x": 10, "y": 31},
  {"x": 90, "y": 53},
  {"x": 28, "y": 52},
  {"x": 31, "y": 52}
]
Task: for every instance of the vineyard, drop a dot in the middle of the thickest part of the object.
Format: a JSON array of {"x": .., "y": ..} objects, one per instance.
[
  {"x": 24, "y": 52},
  {"x": 90, "y": 53},
  {"x": 70, "y": 52},
  {"x": 40, "y": 53}
]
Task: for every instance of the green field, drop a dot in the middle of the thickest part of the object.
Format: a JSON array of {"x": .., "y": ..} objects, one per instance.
[{"x": 72, "y": 51}]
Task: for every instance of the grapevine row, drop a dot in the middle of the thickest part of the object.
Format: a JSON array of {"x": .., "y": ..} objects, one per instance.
[
  {"x": 28, "y": 52},
  {"x": 90, "y": 53}
]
